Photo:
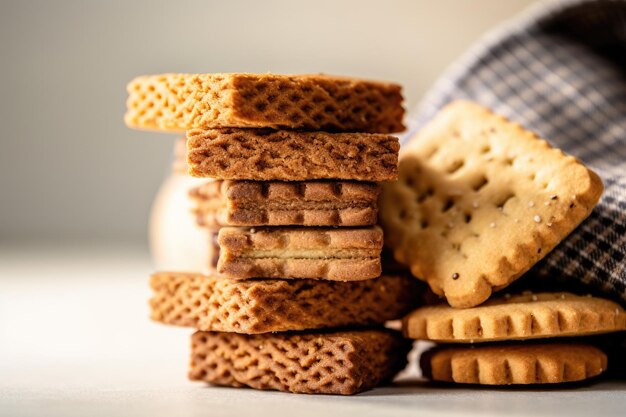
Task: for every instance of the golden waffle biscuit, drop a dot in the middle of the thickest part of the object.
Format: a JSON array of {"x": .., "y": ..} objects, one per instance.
[
  {"x": 526, "y": 316},
  {"x": 282, "y": 155},
  {"x": 277, "y": 203},
  {"x": 341, "y": 362},
  {"x": 479, "y": 201},
  {"x": 549, "y": 363},
  {"x": 339, "y": 254},
  {"x": 261, "y": 306},
  {"x": 178, "y": 102}
]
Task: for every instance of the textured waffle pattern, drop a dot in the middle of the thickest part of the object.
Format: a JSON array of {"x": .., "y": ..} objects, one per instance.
[
  {"x": 276, "y": 203},
  {"x": 242, "y": 240},
  {"x": 261, "y": 306},
  {"x": 326, "y": 363},
  {"x": 479, "y": 201},
  {"x": 267, "y": 155},
  {"x": 514, "y": 364},
  {"x": 299, "y": 253},
  {"x": 350, "y": 269},
  {"x": 178, "y": 102},
  {"x": 527, "y": 316}
]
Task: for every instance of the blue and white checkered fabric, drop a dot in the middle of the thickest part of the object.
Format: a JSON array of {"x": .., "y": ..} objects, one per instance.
[{"x": 560, "y": 70}]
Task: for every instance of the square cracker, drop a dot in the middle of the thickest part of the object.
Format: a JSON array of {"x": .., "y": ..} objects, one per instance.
[
  {"x": 277, "y": 203},
  {"x": 479, "y": 201}
]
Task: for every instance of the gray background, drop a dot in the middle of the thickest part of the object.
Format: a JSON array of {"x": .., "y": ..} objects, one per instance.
[{"x": 69, "y": 169}]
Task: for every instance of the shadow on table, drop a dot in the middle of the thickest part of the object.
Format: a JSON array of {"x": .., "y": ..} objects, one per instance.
[{"x": 422, "y": 386}]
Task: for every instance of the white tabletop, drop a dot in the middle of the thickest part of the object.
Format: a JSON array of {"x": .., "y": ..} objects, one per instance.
[{"x": 75, "y": 340}]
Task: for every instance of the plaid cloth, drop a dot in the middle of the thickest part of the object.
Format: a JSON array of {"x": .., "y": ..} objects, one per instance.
[{"x": 560, "y": 70}]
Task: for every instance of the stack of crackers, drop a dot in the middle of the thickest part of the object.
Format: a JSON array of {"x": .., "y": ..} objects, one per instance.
[
  {"x": 295, "y": 298},
  {"x": 479, "y": 201}
]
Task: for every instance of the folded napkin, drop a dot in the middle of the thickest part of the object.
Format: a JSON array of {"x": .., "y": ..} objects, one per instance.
[{"x": 559, "y": 69}]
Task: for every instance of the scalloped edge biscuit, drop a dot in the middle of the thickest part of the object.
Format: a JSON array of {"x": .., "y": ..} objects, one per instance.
[
  {"x": 549, "y": 363},
  {"x": 479, "y": 201},
  {"x": 518, "y": 317}
]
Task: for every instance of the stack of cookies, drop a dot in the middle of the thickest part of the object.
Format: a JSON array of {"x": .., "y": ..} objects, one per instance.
[
  {"x": 295, "y": 285},
  {"x": 479, "y": 201}
]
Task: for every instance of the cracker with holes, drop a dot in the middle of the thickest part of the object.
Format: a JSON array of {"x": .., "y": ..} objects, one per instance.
[
  {"x": 178, "y": 102},
  {"x": 545, "y": 363},
  {"x": 479, "y": 201},
  {"x": 517, "y": 317},
  {"x": 270, "y": 305},
  {"x": 337, "y": 362},
  {"x": 277, "y": 203},
  {"x": 337, "y": 254},
  {"x": 283, "y": 155}
]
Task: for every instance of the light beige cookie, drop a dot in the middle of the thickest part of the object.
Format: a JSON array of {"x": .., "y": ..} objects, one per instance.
[
  {"x": 549, "y": 363},
  {"x": 479, "y": 201},
  {"x": 337, "y": 254},
  {"x": 178, "y": 102},
  {"x": 526, "y": 316}
]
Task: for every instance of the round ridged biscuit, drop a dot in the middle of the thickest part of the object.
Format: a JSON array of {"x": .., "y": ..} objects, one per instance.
[
  {"x": 525, "y": 316},
  {"x": 514, "y": 364}
]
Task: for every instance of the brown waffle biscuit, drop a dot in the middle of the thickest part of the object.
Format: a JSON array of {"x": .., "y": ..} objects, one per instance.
[
  {"x": 525, "y": 316},
  {"x": 479, "y": 201},
  {"x": 340, "y": 362},
  {"x": 299, "y": 253},
  {"x": 265, "y": 155},
  {"x": 548, "y": 363},
  {"x": 282, "y": 155},
  {"x": 261, "y": 306},
  {"x": 276, "y": 203},
  {"x": 178, "y": 102}
]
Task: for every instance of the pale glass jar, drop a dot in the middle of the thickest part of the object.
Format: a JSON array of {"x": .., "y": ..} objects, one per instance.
[{"x": 177, "y": 243}]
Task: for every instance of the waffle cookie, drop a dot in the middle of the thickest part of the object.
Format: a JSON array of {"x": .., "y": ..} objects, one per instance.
[
  {"x": 276, "y": 203},
  {"x": 479, "y": 201},
  {"x": 548, "y": 363},
  {"x": 525, "y": 316},
  {"x": 339, "y": 254},
  {"x": 338, "y": 362},
  {"x": 178, "y": 102},
  {"x": 283, "y": 155},
  {"x": 262, "y": 306}
]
